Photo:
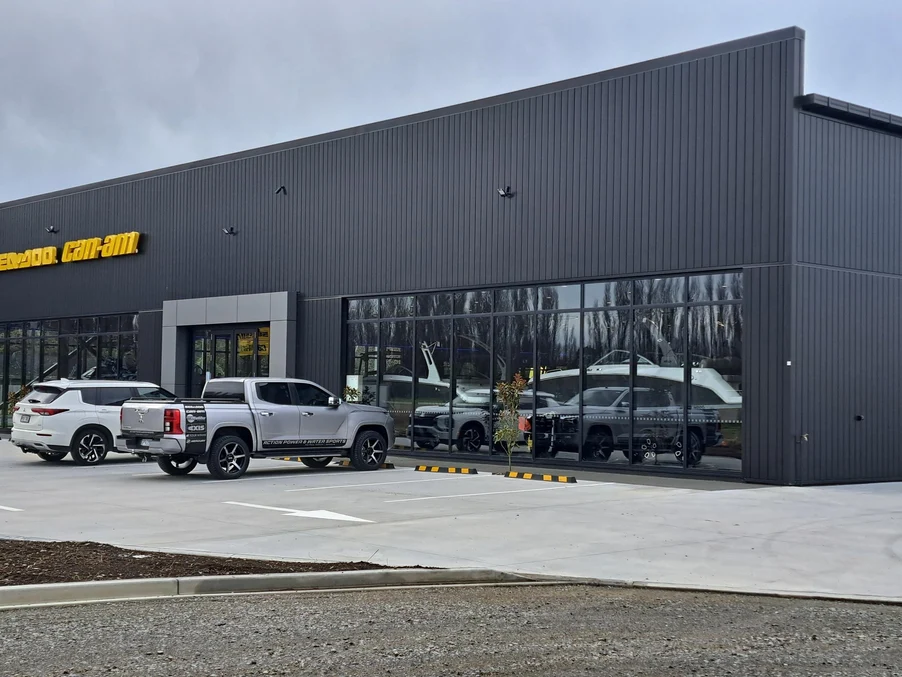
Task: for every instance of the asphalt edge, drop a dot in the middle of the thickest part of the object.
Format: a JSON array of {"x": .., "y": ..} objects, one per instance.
[
  {"x": 716, "y": 589},
  {"x": 17, "y": 596}
]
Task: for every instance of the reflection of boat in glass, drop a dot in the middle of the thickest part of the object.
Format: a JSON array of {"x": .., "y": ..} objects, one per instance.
[{"x": 709, "y": 387}]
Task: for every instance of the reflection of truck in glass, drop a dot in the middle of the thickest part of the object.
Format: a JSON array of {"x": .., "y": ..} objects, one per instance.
[
  {"x": 471, "y": 417},
  {"x": 657, "y": 426}
]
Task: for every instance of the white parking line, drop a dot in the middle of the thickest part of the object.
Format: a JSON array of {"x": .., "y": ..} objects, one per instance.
[
  {"x": 4, "y": 507},
  {"x": 382, "y": 484}
]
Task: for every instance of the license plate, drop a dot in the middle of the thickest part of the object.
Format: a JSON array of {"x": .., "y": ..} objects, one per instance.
[
  {"x": 24, "y": 418},
  {"x": 144, "y": 443}
]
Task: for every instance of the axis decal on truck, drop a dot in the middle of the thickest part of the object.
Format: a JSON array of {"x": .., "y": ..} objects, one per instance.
[{"x": 195, "y": 428}]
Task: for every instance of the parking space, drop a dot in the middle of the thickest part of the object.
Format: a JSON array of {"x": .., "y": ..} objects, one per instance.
[{"x": 843, "y": 540}]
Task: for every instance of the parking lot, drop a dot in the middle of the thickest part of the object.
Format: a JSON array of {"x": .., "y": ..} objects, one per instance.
[{"x": 830, "y": 540}]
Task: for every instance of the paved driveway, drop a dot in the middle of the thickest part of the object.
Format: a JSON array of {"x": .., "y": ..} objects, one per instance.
[{"x": 834, "y": 540}]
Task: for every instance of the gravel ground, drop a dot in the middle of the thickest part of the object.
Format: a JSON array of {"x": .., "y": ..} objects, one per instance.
[{"x": 522, "y": 631}]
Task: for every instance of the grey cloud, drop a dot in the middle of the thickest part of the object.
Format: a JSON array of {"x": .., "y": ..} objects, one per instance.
[{"x": 99, "y": 88}]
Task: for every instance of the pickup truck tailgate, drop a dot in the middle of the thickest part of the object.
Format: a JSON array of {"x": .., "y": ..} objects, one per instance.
[{"x": 142, "y": 417}]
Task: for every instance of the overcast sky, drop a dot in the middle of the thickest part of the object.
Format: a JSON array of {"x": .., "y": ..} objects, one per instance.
[{"x": 94, "y": 89}]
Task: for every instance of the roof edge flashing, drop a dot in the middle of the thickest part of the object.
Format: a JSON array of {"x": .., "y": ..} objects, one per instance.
[{"x": 845, "y": 111}]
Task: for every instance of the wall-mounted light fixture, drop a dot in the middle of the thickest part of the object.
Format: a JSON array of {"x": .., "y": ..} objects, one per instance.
[
  {"x": 506, "y": 192},
  {"x": 282, "y": 190},
  {"x": 230, "y": 230},
  {"x": 52, "y": 229}
]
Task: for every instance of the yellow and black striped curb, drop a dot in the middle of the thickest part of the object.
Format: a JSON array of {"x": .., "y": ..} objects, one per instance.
[
  {"x": 563, "y": 479},
  {"x": 343, "y": 463},
  {"x": 347, "y": 464},
  {"x": 437, "y": 468}
]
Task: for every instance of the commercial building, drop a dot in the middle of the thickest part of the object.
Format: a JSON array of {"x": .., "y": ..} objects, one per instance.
[{"x": 689, "y": 253}]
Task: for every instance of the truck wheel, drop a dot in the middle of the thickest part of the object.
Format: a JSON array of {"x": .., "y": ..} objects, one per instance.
[
  {"x": 90, "y": 446},
  {"x": 51, "y": 456},
  {"x": 370, "y": 450},
  {"x": 471, "y": 438},
  {"x": 696, "y": 448},
  {"x": 599, "y": 446},
  {"x": 317, "y": 462},
  {"x": 229, "y": 458},
  {"x": 176, "y": 465}
]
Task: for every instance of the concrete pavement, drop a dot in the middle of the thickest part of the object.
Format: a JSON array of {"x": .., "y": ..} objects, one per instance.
[{"x": 844, "y": 541}]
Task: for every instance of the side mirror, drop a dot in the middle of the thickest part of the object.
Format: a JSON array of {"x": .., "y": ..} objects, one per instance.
[{"x": 334, "y": 402}]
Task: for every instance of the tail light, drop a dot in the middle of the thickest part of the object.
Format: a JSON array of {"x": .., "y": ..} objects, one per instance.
[
  {"x": 525, "y": 424},
  {"x": 172, "y": 422},
  {"x": 40, "y": 411}
]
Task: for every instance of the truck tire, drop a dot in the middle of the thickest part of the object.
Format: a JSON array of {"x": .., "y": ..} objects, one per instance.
[
  {"x": 90, "y": 446},
  {"x": 369, "y": 451},
  {"x": 321, "y": 462},
  {"x": 176, "y": 465},
  {"x": 471, "y": 438},
  {"x": 52, "y": 456},
  {"x": 229, "y": 458}
]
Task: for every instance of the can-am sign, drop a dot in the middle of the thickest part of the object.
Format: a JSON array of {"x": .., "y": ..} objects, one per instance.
[{"x": 90, "y": 249}]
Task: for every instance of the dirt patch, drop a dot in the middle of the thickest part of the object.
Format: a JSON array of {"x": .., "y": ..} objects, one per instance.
[{"x": 31, "y": 562}]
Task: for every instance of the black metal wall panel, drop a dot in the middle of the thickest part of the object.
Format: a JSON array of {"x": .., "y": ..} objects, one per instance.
[
  {"x": 849, "y": 363},
  {"x": 849, "y": 206},
  {"x": 767, "y": 406},
  {"x": 150, "y": 345},
  {"x": 666, "y": 166},
  {"x": 320, "y": 342}
]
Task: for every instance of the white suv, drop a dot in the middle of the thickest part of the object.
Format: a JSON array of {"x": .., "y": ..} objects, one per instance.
[{"x": 78, "y": 417}]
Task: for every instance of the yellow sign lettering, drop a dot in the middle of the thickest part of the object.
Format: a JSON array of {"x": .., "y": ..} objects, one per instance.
[{"x": 89, "y": 249}]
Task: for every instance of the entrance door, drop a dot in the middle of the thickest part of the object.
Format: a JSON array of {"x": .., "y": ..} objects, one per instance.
[{"x": 225, "y": 352}]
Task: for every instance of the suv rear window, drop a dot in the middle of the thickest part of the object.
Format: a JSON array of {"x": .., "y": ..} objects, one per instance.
[
  {"x": 224, "y": 390},
  {"x": 43, "y": 395}
]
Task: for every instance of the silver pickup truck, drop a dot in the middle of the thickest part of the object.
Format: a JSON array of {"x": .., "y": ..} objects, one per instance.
[{"x": 236, "y": 419}]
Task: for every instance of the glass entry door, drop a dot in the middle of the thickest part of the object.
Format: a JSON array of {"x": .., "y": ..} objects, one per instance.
[{"x": 226, "y": 352}]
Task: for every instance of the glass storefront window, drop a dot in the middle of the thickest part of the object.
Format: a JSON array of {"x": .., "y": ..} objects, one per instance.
[
  {"x": 108, "y": 325},
  {"x": 472, "y": 302},
  {"x": 720, "y": 287},
  {"x": 68, "y": 327},
  {"x": 471, "y": 418},
  {"x": 87, "y": 325},
  {"x": 397, "y": 306},
  {"x": 128, "y": 357},
  {"x": 109, "y": 357},
  {"x": 658, "y": 395},
  {"x": 621, "y": 371},
  {"x": 602, "y": 294},
  {"x": 395, "y": 390},
  {"x": 432, "y": 305},
  {"x": 659, "y": 290},
  {"x": 562, "y": 297},
  {"x": 607, "y": 346},
  {"x": 432, "y": 391},
  {"x": 50, "y": 359},
  {"x": 517, "y": 300},
  {"x": 128, "y": 323},
  {"x": 715, "y": 396},
  {"x": 363, "y": 309},
  {"x": 4, "y": 394}
]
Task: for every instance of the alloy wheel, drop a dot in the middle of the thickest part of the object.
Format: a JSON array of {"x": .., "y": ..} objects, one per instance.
[
  {"x": 232, "y": 458},
  {"x": 373, "y": 451},
  {"x": 471, "y": 439},
  {"x": 92, "y": 448}
]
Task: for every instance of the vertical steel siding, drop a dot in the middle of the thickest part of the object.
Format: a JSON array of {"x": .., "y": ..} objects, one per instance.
[{"x": 663, "y": 170}]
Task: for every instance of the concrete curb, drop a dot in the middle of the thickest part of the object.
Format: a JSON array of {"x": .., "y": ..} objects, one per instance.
[{"x": 99, "y": 591}]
